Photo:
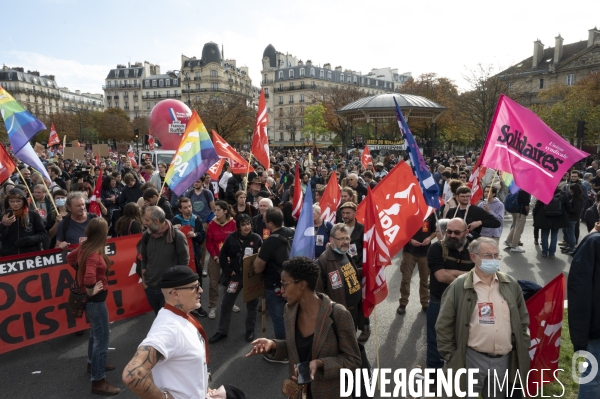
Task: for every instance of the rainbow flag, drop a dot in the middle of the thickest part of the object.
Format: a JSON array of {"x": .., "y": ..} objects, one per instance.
[
  {"x": 20, "y": 124},
  {"x": 195, "y": 155},
  {"x": 509, "y": 181}
]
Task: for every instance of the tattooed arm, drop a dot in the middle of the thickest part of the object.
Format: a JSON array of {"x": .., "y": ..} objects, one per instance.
[{"x": 138, "y": 373}]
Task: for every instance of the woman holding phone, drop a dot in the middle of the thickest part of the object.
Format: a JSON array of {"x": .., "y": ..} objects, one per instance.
[
  {"x": 313, "y": 343},
  {"x": 92, "y": 270},
  {"x": 21, "y": 229}
]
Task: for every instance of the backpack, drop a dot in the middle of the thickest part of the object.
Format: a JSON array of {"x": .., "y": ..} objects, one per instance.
[
  {"x": 138, "y": 258},
  {"x": 554, "y": 207},
  {"x": 511, "y": 203},
  {"x": 288, "y": 242}
]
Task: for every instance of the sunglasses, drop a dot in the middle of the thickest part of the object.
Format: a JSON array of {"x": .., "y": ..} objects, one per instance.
[
  {"x": 454, "y": 232},
  {"x": 196, "y": 288}
]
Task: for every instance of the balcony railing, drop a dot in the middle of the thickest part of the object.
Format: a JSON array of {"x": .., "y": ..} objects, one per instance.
[
  {"x": 164, "y": 95},
  {"x": 122, "y": 86}
]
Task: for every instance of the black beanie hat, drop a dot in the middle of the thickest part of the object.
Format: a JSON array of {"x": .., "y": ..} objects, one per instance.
[{"x": 177, "y": 276}]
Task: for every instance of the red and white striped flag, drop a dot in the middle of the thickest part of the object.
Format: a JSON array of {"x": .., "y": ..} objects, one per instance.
[
  {"x": 297, "y": 199},
  {"x": 260, "y": 138}
]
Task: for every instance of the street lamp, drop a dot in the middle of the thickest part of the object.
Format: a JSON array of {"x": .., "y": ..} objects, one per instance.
[{"x": 173, "y": 75}]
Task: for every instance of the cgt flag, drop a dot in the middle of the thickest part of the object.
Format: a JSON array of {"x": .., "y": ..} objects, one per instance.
[
  {"x": 376, "y": 257},
  {"x": 546, "y": 311},
  {"x": 304, "y": 239},
  {"x": 330, "y": 201},
  {"x": 521, "y": 144},
  {"x": 475, "y": 182},
  {"x": 53, "y": 137},
  {"x": 260, "y": 139},
  {"x": 366, "y": 157},
  {"x": 238, "y": 164},
  {"x": 195, "y": 155},
  {"x": 400, "y": 206},
  {"x": 7, "y": 166}
]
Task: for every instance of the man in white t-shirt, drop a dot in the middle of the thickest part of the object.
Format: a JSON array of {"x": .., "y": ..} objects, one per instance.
[{"x": 172, "y": 361}]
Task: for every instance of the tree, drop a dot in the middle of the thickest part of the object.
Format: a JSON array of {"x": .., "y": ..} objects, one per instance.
[
  {"x": 477, "y": 105},
  {"x": 566, "y": 105},
  {"x": 228, "y": 115},
  {"x": 292, "y": 123},
  {"x": 114, "y": 125},
  {"x": 314, "y": 121},
  {"x": 333, "y": 99}
]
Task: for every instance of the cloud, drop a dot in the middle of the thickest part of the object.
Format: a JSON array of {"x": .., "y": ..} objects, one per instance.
[{"x": 69, "y": 73}]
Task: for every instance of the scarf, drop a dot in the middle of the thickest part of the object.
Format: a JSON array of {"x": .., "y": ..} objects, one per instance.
[
  {"x": 168, "y": 229},
  {"x": 23, "y": 214}
]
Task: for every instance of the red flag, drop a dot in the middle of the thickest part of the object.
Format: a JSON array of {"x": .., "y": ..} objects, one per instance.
[
  {"x": 94, "y": 206},
  {"x": 475, "y": 181},
  {"x": 260, "y": 138},
  {"x": 224, "y": 150},
  {"x": 215, "y": 170},
  {"x": 297, "y": 200},
  {"x": 131, "y": 156},
  {"x": 150, "y": 140},
  {"x": 366, "y": 157},
  {"x": 400, "y": 205},
  {"x": 330, "y": 201},
  {"x": 376, "y": 258},
  {"x": 546, "y": 311},
  {"x": 53, "y": 137},
  {"x": 7, "y": 166}
]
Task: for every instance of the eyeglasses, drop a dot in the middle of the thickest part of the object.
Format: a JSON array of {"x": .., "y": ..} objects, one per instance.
[
  {"x": 490, "y": 256},
  {"x": 454, "y": 232},
  {"x": 193, "y": 287},
  {"x": 342, "y": 239},
  {"x": 284, "y": 284}
]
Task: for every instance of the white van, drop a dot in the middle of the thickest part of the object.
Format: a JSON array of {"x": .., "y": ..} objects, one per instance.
[{"x": 158, "y": 156}]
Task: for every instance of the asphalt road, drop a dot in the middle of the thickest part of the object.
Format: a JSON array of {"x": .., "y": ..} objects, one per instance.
[{"x": 56, "y": 368}]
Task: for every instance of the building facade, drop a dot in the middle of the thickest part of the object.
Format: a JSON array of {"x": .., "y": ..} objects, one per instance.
[
  {"x": 563, "y": 63},
  {"x": 212, "y": 74},
  {"x": 290, "y": 85},
  {"x": 41, "y": 95},
  {"x": 124, "y": 88}
]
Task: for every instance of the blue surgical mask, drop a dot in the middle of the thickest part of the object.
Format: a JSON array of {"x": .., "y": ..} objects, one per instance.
[
  {"x": 489, "y": 266},
  {"x": 336, "y": 249},
  {"x": 61, "y": 202}
]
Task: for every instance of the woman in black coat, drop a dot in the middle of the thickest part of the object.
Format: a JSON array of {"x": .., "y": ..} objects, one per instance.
[
  {"x": 21, "y": 230},
  {"x": 549, "y": 221},
  {"x": 237, "y": 246}
]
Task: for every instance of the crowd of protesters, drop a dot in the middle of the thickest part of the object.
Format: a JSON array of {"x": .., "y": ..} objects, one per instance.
[{"x": 239, "y": 215}]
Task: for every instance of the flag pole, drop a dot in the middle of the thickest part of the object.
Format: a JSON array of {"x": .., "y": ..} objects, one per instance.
[
  {"x": 48, "y": 192},
  {"x": 377, "y": 347},
  {"x": 248, "y": 171},
  {"x": 28, "y": 190}
]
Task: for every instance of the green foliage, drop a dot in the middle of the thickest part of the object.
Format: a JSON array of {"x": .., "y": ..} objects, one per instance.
[
  {"x": 565, "y": 105},
  {"x": 314, "y": 121}
]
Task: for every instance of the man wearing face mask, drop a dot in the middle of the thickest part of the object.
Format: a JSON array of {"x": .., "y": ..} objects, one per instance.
[
  {"x": 447, "y": 260},
  {"x": 483, "y": 319},
  {"x": 340, "y": 277}
]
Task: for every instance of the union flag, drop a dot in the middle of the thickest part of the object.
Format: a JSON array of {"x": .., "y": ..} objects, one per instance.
[{"x": 260, "y": 138}]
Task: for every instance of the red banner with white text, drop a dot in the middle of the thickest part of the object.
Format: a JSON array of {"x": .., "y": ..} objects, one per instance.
[{"x": 34, "y": 293}]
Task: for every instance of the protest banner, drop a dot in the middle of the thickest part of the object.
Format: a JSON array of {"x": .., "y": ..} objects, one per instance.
[
  {"x": 254, "y": 284},
  {"x": 100, "y": 149},
  {"x": 74, "y": 153},
  {"x": 34, "y": 292}
]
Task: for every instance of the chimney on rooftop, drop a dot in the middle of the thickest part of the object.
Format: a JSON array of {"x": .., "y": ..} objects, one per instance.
[
  {"x": 593, "y": 37},
  {"x": 558, "y": 48},
  {"x": 538, "y": 53}
]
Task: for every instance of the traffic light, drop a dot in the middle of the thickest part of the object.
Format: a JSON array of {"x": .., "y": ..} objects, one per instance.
[{"x": 137, "y": 133}]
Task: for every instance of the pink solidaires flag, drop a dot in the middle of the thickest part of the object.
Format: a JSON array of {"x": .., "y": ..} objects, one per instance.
[{"x": 521, "y": 144}]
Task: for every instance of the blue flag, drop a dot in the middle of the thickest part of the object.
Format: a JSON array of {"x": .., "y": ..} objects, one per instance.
[
  {"x": 430, "y": 189},
  {"x": 304, "y": 239}
]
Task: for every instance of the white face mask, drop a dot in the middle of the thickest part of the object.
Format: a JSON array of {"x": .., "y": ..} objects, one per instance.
[{"x": 489, "y": 266}]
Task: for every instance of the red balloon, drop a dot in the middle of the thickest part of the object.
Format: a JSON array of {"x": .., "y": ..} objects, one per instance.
[{"x": 168, "y": 120}]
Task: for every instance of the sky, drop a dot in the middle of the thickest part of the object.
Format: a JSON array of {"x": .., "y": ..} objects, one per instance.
[{"x": 79, "y": 41}]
